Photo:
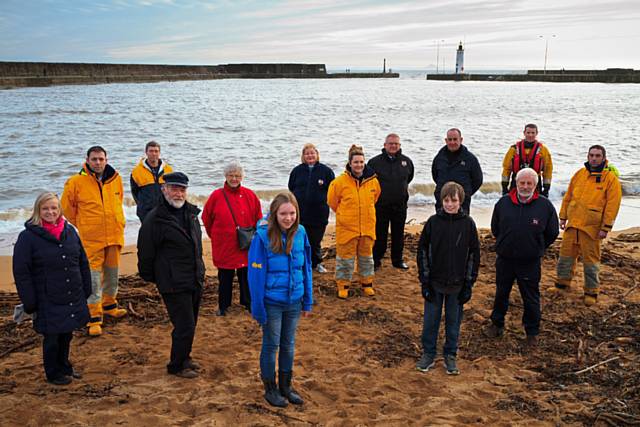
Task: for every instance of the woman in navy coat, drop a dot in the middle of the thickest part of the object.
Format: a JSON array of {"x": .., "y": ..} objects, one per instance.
[
  {"x": 309, "y": 182},
  {"x": 52, "y": 277}
]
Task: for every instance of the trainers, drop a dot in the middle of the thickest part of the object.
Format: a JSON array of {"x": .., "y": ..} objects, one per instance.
[
  {"x": 320, "y": 269},
  {"x": 590, "y": 300},
  {"x": 425, "y": 363},
  {"x": 493, "y": 331},
  {"x": 450, "y": 364}
]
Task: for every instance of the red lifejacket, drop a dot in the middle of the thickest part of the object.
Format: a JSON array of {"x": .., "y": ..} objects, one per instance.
[{"x": 521, "y": 160}]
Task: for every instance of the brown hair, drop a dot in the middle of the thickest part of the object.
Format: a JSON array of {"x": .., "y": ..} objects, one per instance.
[
  {"x": 306, "y": 147},
  {"x": 273, "y": 229},
  {"x": 151, "y": 144},
  {"x": 355, "y": 150},
  {"x": 531, "y": 126},
  {"x": 451, "y": 189},
  {"x": 40, "y": 200},
  {"x": 598, "y": 147}
]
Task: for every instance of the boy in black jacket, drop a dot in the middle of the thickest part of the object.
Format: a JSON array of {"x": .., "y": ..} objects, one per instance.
[{"x": 448, "y": 260}]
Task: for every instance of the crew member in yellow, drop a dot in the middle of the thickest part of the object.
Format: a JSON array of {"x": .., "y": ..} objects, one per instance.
[
  {"x": 147, "y": 178},
  {"x": 353, "y": 196},
  {"x": 589, "y": 208},
  {"x": 92, "y": 202},
  {"x": 528, "y": 153}
]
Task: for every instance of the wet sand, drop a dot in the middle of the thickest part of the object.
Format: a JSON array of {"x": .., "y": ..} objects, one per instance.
[{"x": 355, "y": 359}]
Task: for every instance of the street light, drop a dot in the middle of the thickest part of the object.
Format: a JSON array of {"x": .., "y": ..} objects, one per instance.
[
  {"x": 438, "y": 55},
  {"x": 546, "y": 49}
]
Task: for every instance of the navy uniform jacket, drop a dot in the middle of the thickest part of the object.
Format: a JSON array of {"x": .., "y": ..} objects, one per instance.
[
  {"x": 394, "y": 174},
  {"x": 310, "y": 187},
  {"x": 463, "y": 169}
]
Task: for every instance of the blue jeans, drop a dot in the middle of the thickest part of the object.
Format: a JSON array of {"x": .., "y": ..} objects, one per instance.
[
  {"x": 279, "y": 332},
  {"x": 431, "y": 323}
]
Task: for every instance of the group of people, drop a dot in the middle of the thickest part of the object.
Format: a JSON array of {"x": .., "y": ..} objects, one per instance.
[{"x": 69, "y": 279}]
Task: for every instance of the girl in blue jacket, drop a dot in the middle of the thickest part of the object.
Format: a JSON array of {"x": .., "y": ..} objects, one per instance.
[
  {"x": 52, "y": 277},
  {"x": 280, "y": 283}
]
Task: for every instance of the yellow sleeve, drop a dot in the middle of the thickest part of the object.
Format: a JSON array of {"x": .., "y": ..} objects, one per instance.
[
  {"x": 68, "y": 202},
  {"x": 507, "y": 164},
  {"x": 332, "y": 196},
  {"x": 378, "y": 189},
  {"x": 547, "y": 172},
  {"x": 614, "y": 197}
]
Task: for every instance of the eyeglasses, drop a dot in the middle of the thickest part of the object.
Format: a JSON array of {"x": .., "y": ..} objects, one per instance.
[{"x": 451, "y": 139}]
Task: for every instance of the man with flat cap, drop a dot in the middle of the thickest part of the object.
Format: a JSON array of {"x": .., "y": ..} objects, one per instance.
[{"x": 170, "y": 255}]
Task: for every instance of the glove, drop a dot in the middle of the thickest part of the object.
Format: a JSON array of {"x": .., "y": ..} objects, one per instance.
[
  {"x": 505, "y": 188},
  {"x": 427, "y": 292},
  {"x": 465, "y": 293}
]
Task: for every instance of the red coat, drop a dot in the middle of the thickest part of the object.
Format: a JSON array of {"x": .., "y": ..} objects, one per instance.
[{"x": 220, "y": 226}]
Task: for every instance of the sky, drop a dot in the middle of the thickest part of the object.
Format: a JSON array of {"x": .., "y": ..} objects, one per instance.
[{"x": 497, "y": 34}]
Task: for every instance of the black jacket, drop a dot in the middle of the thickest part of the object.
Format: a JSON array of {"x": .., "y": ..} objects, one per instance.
[
  {"x": 523, "y": 231},
  {"x": 448, "y": 252},
  {"x": 310, "y": 187},
  {"x": 169, "y": 256},
  {"x": 462, "y": 168},
  {"x": 395, "y": 174},
  {"x": 52, "y": 278}
]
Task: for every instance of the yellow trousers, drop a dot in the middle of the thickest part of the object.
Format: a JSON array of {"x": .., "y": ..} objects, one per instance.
[
  {"x": 578, "y": 243},
  {"x": 104, "y": 273},
  {"x": 362, "y": 248}
]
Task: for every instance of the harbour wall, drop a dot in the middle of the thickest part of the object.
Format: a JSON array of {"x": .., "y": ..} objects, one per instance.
[
  {"x": 610, "y": 75},
  {"x": 25, "y": 74}
]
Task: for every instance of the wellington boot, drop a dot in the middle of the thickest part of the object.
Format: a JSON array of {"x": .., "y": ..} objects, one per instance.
[
  {"x": 367, "y": 289},
  {"x": 558, "y": 289},
  {"x": 343, "y": 289},
  {"x": 110, "y": 307},
  {"x": 284, "y": 383},
  {"x": 272, "y": 394},
  {"x": 95, "y": 330}
]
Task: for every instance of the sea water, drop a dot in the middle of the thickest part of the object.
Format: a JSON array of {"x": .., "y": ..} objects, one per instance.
[{"x": 204, "y": 125}]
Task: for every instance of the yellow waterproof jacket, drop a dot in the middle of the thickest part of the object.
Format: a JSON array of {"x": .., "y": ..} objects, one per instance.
[
  {"x": 592, "y": 200},
  {"x": 547, "y": 164},
  {"x": 95, "y": 208},
  {"x": 354, "y": 203}
]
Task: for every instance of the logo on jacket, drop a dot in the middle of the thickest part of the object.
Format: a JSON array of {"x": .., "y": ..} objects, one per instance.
[
  {"x": 320, "y": 181},
  {"x": 404, "y": 163},
  {"x": 256, "y": 265},
  {"x": 535, "y": 221},
  {"x": 462, "y": 163}
]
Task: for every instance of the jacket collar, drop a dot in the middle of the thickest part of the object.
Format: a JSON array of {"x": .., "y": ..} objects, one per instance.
[
  {"x": 367, "y": 173},
  {"x": 146, "y": 165},
  {"x": 513, "y": 195},
  {"x": 163, "y": 210},
  {"x": 391, "y": 157},
  {"x": 40, "y": 231},
  {"x": 459, "y": 215},
  {"x": 109, "y": 173}
]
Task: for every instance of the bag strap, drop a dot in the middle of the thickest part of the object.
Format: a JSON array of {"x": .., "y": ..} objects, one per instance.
[{"x": 230, "y": 210}]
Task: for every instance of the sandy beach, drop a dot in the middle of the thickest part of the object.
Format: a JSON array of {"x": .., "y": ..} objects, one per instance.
[{"x": 355, "y": 358}]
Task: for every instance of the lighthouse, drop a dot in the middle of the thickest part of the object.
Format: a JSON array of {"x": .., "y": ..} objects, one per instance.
[{"x": 460, "y": 59}]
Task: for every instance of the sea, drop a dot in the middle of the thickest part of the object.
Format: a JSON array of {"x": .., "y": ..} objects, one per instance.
[{"x": 263, "y": 124}]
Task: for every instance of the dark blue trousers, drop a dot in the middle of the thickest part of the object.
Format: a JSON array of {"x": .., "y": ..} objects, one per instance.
[
  {"x": 55, "y": 355},
  {"x": 527, "y": 275}
]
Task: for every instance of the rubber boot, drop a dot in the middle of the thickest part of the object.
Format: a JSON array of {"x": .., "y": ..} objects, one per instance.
[
  {"x": 590, "y": 298},
  {"x": 110, "y": 307},
  {"x": 558, "y": 289},
  {"x": 95, "y": 322},
  {"x": 272, "y": 394},
  {"x": 343, "y": 289},
  {"x": 367, "y": 289},
  {"x": 284, "y": 382}
]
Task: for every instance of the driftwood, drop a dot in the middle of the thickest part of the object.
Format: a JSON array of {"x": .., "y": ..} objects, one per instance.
[{"x": 582, "y": 371}]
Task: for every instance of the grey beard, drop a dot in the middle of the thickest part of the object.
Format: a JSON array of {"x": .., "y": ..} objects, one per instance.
[{"x": 176, "y": 204}]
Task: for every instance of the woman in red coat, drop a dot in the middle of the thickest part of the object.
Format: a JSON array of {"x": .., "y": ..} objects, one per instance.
[{"x": 219, "y": 222}]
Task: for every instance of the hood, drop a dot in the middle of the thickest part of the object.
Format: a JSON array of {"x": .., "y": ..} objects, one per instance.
[{"x": 367, "y": 173}]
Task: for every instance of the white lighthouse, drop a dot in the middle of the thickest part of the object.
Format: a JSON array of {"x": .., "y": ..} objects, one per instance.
[{"x": 460, "y": 59}]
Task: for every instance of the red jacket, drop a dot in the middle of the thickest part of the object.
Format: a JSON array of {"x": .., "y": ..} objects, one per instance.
[{"x": 220, "y": 226}]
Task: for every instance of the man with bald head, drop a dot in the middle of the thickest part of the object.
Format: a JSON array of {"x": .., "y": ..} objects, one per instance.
[{"x": 524, "y": 226}]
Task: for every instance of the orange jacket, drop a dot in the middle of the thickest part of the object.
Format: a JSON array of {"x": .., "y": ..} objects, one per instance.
[
  {"x": 95, "y": 208},
  {"x": 592, "y": 201},
  {"x": 354, "y": 203}
]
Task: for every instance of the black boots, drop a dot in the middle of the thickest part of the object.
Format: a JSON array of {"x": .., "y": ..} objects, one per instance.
[
  {"x": 272, "y": 394},
  {"x": 284, "y": 380}
]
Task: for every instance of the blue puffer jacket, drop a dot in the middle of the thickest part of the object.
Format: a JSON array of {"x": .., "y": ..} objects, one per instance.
[
  {"x": 52, "y": 278},
  {"x": 279, "y": 279}
]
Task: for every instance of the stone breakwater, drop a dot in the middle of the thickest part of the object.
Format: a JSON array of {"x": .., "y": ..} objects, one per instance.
[
  {"x": 28, "y": 74},
  {"x": 610, "y": 75}
]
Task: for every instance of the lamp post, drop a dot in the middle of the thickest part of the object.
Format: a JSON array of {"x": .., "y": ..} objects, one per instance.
[
  {"x": 438, "y": 55},
  {"x": 546, "y": 49}
]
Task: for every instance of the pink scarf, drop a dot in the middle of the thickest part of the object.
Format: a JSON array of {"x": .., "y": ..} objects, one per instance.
[{"x": 54, "y": 229}]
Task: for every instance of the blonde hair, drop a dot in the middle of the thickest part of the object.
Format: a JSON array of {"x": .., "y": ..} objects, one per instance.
[
  {"x": 40, "y": 200},
  {"x": 306, "y": 147},
  {"x": 273, "y": 228}
]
